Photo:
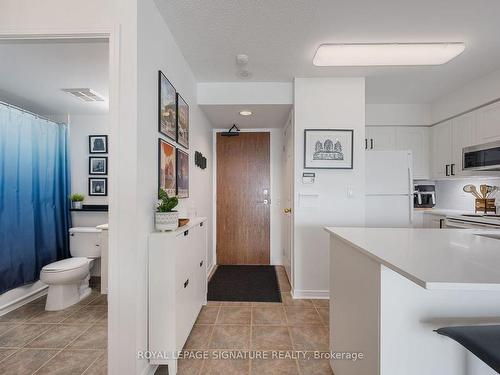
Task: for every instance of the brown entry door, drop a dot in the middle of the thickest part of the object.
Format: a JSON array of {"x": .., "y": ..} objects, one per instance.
[{"x": 243, "y": 200}]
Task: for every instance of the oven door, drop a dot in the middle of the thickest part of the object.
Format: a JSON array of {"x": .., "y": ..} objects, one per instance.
[{"x": 464, "y": 224}]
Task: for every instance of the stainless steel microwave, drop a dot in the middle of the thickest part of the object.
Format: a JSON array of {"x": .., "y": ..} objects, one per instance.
[{"x": 485, "y": 157}]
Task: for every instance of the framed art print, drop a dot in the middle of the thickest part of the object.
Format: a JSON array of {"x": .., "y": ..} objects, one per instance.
[
  {"x": 328, "y": 148},
  {"x": 167, "y": 112},
  {"x": 98, "y": 144},
  {"x": 182, "y": 122},
  {"x": 166, "y": 168},
  {"x": 98, "y": 165},
  {"x": 182, "y": 174},
  {"x": 98, "y": 186}
]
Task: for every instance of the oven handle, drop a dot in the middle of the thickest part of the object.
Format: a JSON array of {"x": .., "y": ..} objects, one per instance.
[{"x": 451, "y": 223}]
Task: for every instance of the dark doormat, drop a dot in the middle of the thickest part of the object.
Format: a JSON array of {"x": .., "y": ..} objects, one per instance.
[{"x": 244, "y": 283}]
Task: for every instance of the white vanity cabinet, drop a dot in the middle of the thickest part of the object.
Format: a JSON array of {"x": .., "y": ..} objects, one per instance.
[{"x": 177, "y": 288}]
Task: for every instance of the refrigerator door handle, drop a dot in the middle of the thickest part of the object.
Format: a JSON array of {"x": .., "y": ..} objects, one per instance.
[{"x": 410, "y": 193}]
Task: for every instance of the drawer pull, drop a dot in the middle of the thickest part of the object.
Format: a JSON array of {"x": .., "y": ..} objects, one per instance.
[
  {"x": 186, "y": 283},
  {"x": 186, "y": 232},
  {"x": 201, "y": 263}
]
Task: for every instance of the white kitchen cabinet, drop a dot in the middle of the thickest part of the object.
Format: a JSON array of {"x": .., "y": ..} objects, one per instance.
[
  {"x": 416, "y": 140},
  {"x": 441, "y": 135},
  {"x": 177, "y": 288},
  {"x": 380, "y": 138},
  {"x": 488, "y": 129},
  {"x": 464, "y": 133}
]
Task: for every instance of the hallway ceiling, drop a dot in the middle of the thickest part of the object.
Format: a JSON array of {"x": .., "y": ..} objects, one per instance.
[
  {"x": 281, "y": 36},
  {"x": 34, "y": 72},
  {"x": 263, "y": 116}
]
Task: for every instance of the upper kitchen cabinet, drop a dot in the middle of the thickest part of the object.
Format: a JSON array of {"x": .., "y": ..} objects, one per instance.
[
  {"x": 380, "y": 138},
  {"x": 441, "y": 135},
  {"x": 415, "y": 139},
  {"x": 488, "y": 124},
  {"x": 463, "y": 134}
]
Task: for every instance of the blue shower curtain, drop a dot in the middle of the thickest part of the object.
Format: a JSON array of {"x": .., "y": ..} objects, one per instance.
[{"x": 34, "y": 196}]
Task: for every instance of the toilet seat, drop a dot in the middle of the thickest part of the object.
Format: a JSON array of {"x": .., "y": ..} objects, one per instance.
[{"x": 66, "y": 265}]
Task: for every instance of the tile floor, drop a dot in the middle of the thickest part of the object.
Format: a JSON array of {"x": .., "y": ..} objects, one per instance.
[
  {"x": 231, "y": 327},
  {"x": 68, "y": 342}
]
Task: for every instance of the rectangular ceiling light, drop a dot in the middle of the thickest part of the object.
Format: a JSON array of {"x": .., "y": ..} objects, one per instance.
[{"x": 386, "y": 54}]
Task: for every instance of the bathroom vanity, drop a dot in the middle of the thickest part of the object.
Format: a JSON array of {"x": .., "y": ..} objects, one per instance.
[{"x": 177, "y": 288}]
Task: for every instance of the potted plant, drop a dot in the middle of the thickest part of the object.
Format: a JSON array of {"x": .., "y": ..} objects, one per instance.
[
  {"x": 165, "y": 217},
  {"x": 76, "y": 201}
]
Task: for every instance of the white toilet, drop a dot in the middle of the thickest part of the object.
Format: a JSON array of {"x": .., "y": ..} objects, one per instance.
[{"x": 68, "y": 279}]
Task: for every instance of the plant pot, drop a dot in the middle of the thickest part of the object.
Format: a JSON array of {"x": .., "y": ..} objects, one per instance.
[
  {"x": 77, "y": 205},
  {"x": 165, "y": 221}
]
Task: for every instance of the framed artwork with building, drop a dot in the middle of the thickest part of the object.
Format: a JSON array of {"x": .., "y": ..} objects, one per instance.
[{"x": 328, "y": 148}]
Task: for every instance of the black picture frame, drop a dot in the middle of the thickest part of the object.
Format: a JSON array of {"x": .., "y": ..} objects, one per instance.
[
  {"x": 351, "y": 153},
  {"x": 182, "y": 139},
  {"x": 92, "y": 193},
  {"x": 163, "y": 127},
  {"x": 104, "y": 172},
  {"x": 92, "y": 144},
  {"x": 182, "y": 190},
  {"x": 173, "y": 191}
]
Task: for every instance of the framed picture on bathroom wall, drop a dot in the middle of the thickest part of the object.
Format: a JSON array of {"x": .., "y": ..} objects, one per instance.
[
  {"x": 167, "y": 178},
  {"x": 328, "y": 148},
  {"x": 182, "y": 122},
  {"x": 167, "y": 107},
  {"x": 182, "y": 174},
  {"x": 98, "y": 186},
  {"x": 98, "y": 165},
  {"x": 98, "y": 144}
]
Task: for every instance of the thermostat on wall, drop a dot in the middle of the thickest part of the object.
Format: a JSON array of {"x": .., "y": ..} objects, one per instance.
[{"x": 308, "y": 177}]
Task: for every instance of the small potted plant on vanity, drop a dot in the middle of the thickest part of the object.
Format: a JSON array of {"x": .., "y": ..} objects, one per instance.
[
  {"x": 77, "y": 201},
  {"x": 165, "y": 217}
]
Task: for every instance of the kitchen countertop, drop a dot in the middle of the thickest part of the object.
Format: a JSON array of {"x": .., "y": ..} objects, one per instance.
[{"x": 454, "y": 259}]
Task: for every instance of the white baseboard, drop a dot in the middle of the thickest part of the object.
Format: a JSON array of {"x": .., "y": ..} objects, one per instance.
[
  {"x": 24, "y": 299},
  {"x": 311, "y": 294},
  {"x": 211, "y": 271}
]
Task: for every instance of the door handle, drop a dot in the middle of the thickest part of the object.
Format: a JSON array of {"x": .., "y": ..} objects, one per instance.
[
  {"x": 366, "y": 144},
  {"x": 453, "y": 169},
  {"x": 447, "y": 170},
  {"x": 287, "y": 210},
  {"x": 371, "y": 143},
  {"x": 186, "y": 283}
]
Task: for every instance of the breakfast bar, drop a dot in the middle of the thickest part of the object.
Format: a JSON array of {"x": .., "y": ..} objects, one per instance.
[{"x": 392, "y": 287}]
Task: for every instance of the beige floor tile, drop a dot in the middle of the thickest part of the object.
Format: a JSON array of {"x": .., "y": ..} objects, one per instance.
[
  {"x": 96, "y": 337},
  {"x": 5, "y": 326},
  {"x": 234, "y": 315},
  {"x": 266, "y": 304},
  {"x": 22, "y": 334},
  {"x": 40, "y": 300},
  {"x": 58, "y": 336},
  {"x": 268, "y": 315},
  {"x": 270, "y": 338},
  {"x": 299, "y": 316},
  {"x": 4, "y": 353},
  {"x": 230, "y": 337},
  {"x": 325, "y": 315},
  {"x": 226, "y": 367},
  {"x": 310, "y": 338},
  {"x": 163, "y": 370},
  {"x": 274, "y": 367},
  {"x": 208, "y": 315},
  {"x": 189, "y": 366},
  {"x": 54, "y": 316},
  {"x": 102, "y": 299},
  {"x": 321, "y": 303},
  {"x": 70, "y": 362},
  {"x": 23, "y": 313},
  {"x": 25, "y": 361},
  {"x": 93, "y": 295},
  {"x": 289, "y": 301},
  {"x": 199, "y": 337},
  {"x": 236, "y": 303},
  {"x": 313, "y": 366},
  {"x": 214, "y": 303},
  {"x": 87, "y": 314},
  {"x": 99, "y": 367}
]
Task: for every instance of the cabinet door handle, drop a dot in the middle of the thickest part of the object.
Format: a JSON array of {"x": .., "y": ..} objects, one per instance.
[
  {"x": 186, "y": 232},
  {"x": 453, "y": 169},
  {"x": 201, "y": 264},
  {"x": 186, "y": 283},
  {"x": 447, "y": 169},
  {"x": 201, "y": 224},
  {"x": 366, "y": 144},
  {"x": 371, "y": 143}
]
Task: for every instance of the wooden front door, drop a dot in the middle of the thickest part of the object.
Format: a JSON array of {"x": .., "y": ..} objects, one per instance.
[{"x": 243, "y": 198}]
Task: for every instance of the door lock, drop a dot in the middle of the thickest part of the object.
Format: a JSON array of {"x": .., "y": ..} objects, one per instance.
[{"x": 287, "y": 210}]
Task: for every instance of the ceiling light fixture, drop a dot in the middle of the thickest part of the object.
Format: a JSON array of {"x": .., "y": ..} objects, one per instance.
[
  {"x": 85, "y": 94},
  {"x": 246, "y": 113},
  {"x": 386, "y": 54}
]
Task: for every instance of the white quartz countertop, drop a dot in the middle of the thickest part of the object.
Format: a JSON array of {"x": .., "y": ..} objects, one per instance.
[{"x": 432, "y": 258}]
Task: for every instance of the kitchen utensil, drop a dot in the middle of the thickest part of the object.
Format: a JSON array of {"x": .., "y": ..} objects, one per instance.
[
  {"x": 491, "y": 191},
  {"x": 484, "y": 190},
  {"x": 471, "y": 189}
]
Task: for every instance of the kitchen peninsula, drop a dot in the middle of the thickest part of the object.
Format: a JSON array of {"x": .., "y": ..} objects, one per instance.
[{"x": 391, "y": 287}]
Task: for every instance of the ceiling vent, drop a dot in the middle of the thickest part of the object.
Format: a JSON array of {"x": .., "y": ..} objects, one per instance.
[{"x": 85, "y": 94}]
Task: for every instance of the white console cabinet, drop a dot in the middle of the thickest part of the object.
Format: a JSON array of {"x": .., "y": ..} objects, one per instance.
[{"x": 177, "y": 288}]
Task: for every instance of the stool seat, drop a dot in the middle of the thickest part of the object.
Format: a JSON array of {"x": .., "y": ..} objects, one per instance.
[{"x": 483, "y": 341}]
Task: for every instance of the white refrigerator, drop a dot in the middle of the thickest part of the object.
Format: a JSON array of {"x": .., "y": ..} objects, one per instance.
[{"x": 389, "y": 189}]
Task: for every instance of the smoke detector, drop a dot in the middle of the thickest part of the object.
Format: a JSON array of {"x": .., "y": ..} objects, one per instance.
[
  {"x": 85, "y": 94},
  {"x": 241, "y": 59}
]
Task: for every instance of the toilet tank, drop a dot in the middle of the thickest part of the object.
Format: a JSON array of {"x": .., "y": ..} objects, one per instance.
[{"x": 85, "y": 242}]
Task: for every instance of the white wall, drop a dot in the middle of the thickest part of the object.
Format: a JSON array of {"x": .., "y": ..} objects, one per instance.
[
  {"x": 81, "y": 126},
  {"x": 326, "y": 103},
  {"x": 475, "y": 93},
  {"x": 450, "y": 194},
  {"x": 398, "y": 114}
]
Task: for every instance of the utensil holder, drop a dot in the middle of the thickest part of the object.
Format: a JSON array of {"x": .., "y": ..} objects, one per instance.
[{"x": 485, "y": 206}]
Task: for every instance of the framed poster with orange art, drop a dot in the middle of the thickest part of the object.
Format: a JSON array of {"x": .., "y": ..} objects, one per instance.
[
  {"x": 182, "y": 174},
  {"x": 167, "y": 179}
]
